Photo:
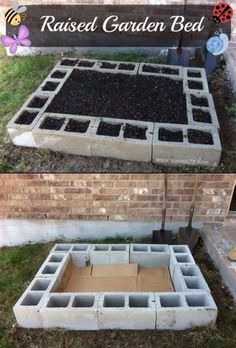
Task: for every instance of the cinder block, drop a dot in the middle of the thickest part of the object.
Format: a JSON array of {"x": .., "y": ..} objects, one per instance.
[
  {"x": 150, "y": 255},
  {"x": 80, "y": 254},
  {"x": 181, "y": 311},
  {"x": 20, "y": 128},
  {"x": 178, "y": 75},
  {"x": 91, "y": 64},
  {"x": 109, "y": 253},
  {"x": 53, "y": 266},
  {"x": 198, "y": 75},
  {"x": 62, "y": 248},
  {"x": 26, "y": 309},
  {"x": 180, "y": 255},
  {"x": 117, "y": 67},
  {"x": 188, "y": 278},
  {"x": 64, "y": 139},
  {"x": 136, "y": 311},
  {"x": 71, "y": 311},
  {"x": 120, "y": 147},
  {"x": 60, "y": 64},
  {"x": 209, "y": 108},
  {"x": 185, "y": 152}
]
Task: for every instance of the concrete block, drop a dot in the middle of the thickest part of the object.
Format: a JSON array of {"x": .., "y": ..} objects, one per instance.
[
  {"x": 150, "y": 255},
  {"x": 60, "y": 64},
  {"x": 91, "y": 64},
  {"x": 117, "y": 67},
  {"x": 209, "y": 108},
  {"x": 185, "y": 152},
  {"x": 53, "y": 266},
  {"x": 136, "y": 311},
  {"x": 20, "y": 127},
  {"x": 70, "y": 311},
  {"x": 109, "y": 253},
  {"x": 161, "y": 68},
  {"x": 189, "y": 278},
  {"x": 62, "y": 248},
  {"x": 120, "y": 147},
  {"x": 180, "y": 255},
  {"x": 197, "y": 75},
  {"x": 64, "y": 139},
  {"x": 26, "y": 309},
  {"x": 80, "y": 254},
  {"x": 181, "y": 311}
]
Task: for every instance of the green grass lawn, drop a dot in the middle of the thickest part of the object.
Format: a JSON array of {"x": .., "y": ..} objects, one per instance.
[{"x": 18, "y": 266}]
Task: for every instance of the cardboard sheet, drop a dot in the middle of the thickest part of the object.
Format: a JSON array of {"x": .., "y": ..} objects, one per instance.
[{"x": 112, "y": 278}]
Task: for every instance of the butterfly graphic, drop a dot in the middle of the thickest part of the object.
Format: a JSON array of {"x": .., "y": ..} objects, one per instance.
[{"x": 14, "y": 42}]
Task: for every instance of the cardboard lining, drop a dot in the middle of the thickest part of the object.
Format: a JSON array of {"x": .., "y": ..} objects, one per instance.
[{"x": 112, "y": 278}]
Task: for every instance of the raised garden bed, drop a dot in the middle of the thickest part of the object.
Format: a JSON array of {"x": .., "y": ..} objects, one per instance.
[
  {"x": 126, "y": 101},
  {"x": 117, "y": 286}
]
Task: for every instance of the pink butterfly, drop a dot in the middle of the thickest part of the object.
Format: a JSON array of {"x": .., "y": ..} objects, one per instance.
[{"x": 20, "y": 39}]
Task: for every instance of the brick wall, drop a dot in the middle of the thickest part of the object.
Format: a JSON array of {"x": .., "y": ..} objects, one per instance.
[{"x": 132, "y": 197}]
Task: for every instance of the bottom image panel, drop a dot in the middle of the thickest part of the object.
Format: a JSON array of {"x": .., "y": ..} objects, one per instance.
[{"x": 115, "y": 256}]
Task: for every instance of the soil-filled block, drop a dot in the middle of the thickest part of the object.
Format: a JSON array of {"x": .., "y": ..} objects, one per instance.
[
  {"x": 68, "y": 134},
  {"x": 181, "y": 311},
  {"x": 21, "y": 125},
  {"x": 128, "y": 140},
  {"x": 148, "y": 255},
  {"x": 71, "y": 311},
  {"x": 197, "y": 145},
  {"x": 115, "y": 67},
  {"x": 171, "y": 71},
  {"x": 109, "y": 253},
  {"x": 136, "y": 311},
  {"x": 195, "y": 80}
]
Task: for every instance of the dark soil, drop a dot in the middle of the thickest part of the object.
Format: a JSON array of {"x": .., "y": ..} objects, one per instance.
[
  {"x": 106, "y": 65},
  {"x": 112, "y": 130},
  {"x": 199, "y": 137},
  {"x": 126, "y": 67},
  {"x": 77, "y": 126},
  {"x": 86, "y": 64},
  {"x": 132, "y": 97},
  {"x": 159, "y": 70},
  {"x": 52, "y": 123},
  {"x": 199, "y": 101},
  {"x": 69, "y": 62},
  {"x": 134, "y": 132},
  {"x": 195, "y": 85},
  {"x": 37, "y": 102},
  {"x": 167, "y": 135},
  {"x": 194, "y": 74},
  {"x": 50, "y": 86},
  {"x": 151, "y": 69},
  {"x": 26, "y": 117},
  {"x": 169, "y": 71},
  {"x": 58, "y": 74},
  {"x": 201, "y": 116}
]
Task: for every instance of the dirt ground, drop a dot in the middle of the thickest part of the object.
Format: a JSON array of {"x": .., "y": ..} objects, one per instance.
[{"x": 224, "y": 335}]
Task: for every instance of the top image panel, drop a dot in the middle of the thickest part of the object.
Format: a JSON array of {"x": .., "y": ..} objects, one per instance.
[{"x": 136, "y": 87}]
